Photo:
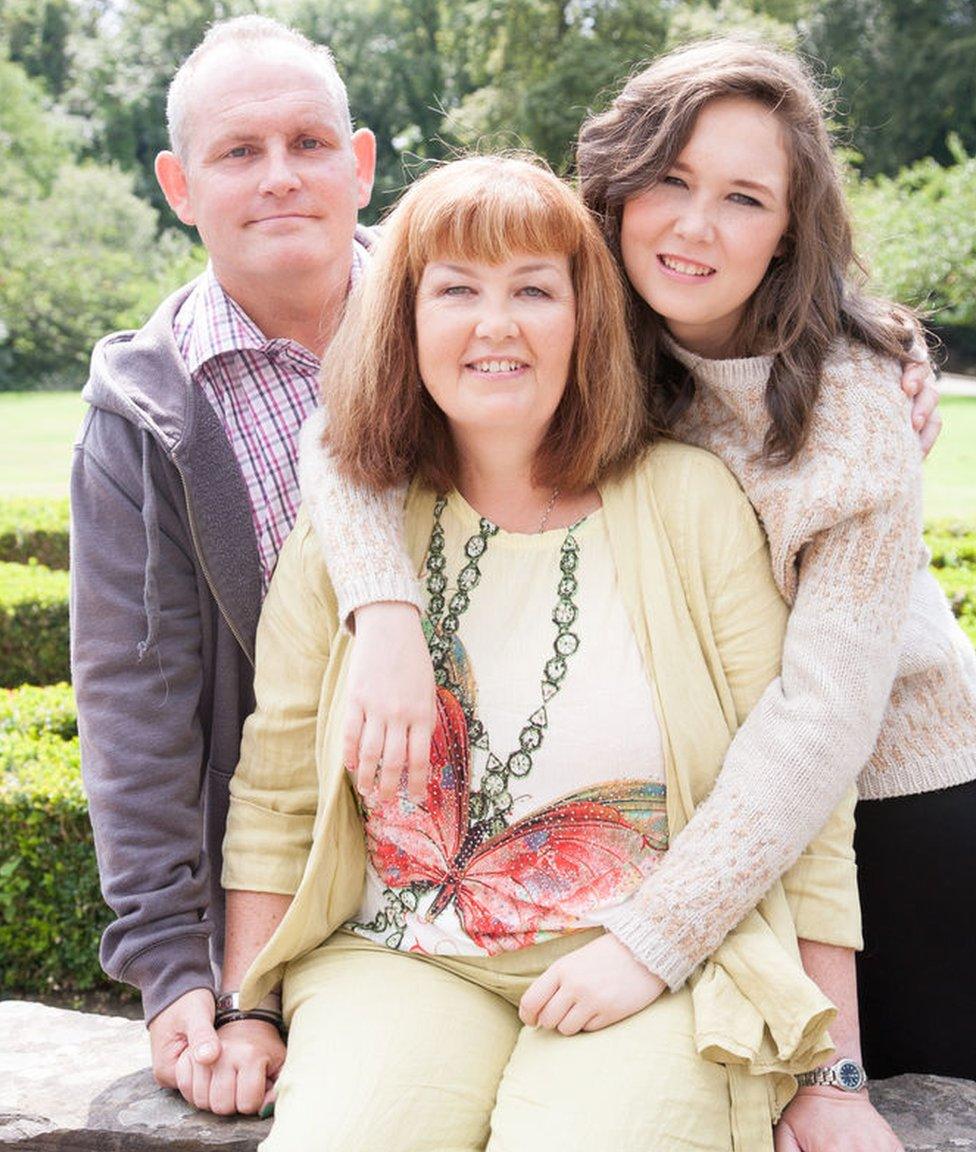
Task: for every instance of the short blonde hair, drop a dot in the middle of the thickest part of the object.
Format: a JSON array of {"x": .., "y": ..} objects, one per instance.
[
  {"x": 384, "y": 426},
  {"x": 249, "y": 33}
]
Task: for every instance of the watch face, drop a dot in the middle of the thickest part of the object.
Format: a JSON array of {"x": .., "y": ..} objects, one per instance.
[{"x": 850, "y": 1075}]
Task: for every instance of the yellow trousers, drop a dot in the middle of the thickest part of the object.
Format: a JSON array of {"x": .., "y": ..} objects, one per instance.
[{"x": 396, "y": 1052}]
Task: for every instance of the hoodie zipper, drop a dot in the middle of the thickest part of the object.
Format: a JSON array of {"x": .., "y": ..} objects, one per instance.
[{"x": 203, "y": 564}]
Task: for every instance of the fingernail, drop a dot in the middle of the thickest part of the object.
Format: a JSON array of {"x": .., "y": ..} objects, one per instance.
[
  {"x": 205, "y": 1051},
  {"x": 266, "y": 1111}
]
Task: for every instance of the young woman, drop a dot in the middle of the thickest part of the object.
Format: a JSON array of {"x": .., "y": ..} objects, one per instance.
[
  {"x": 601, "y": 618},
  {"x": 713, "y": 178}
]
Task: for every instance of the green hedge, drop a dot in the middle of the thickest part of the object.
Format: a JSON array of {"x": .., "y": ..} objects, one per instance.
[
  {"x": 34, "y": 711},
  {"x": 953, "y": 551},
  {"x": 51, "y": 911},
  {"x": 34, "y": 530},
  {"x": 33, "y": 625}
]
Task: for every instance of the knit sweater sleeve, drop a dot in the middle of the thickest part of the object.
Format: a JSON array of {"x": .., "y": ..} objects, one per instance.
[
  {"x": 801, "y": 747},
  {"x": 360, "y": 532}
]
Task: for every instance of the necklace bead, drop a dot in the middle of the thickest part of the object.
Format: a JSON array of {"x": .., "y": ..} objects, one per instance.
[{"x": 493, "y": 799}]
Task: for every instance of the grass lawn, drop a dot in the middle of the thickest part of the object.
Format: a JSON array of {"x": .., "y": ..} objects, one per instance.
[
  {"x": 950, "y": 471},
  {"x": 37, "y": 430}
]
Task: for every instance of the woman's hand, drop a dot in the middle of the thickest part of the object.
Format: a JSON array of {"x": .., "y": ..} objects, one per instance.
[
  {"x": 390, "y": 703},
  {"x": 828, "y": 1120},
  {"x": 242, "y": 1079},
  {"x": 589, "y": 989},
  {"x": 918, "y": 382}
]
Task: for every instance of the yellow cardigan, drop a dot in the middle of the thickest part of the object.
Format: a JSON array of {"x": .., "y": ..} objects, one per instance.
[{"x": 693, "y": 569}]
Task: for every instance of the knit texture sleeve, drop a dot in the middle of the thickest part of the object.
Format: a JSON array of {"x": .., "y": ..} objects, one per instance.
[
  {"x": 798, "y": 751},
  {"x": 360, "y": 532}
]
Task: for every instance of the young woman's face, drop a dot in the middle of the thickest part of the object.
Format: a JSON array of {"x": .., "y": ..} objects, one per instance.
[
  {"x": 697, "y": 245},
  {"x": 495, "y": 341}
]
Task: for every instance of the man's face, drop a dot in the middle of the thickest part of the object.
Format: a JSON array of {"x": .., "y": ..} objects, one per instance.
[{"x": 272, "y": 178}]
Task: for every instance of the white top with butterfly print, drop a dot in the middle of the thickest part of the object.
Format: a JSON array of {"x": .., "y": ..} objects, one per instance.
[{"x": 586, "y": 824}]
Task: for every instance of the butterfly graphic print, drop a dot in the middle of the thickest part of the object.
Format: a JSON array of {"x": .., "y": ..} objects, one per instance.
[{"x": 540, "y": 875}]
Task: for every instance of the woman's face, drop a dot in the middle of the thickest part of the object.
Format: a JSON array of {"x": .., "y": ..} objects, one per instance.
[
  {"x": 495, "y": 341},
  {"x": 697, "y": 245}
]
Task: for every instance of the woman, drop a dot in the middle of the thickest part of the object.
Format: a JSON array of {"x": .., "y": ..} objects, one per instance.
[
  {"x": 600, "y": 620},
  {"x": 713, "y": 179}
]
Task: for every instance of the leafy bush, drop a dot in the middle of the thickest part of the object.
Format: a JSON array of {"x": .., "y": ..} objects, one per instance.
[
  {"x": 33, "y": 625},
  {"x": 918, "y": 231},
  {"x": 51, "y": 911},
  {"x": 35, "y": 712},
  {"x": 34, "y": 530},
  {"x": 954, "y": 564}
]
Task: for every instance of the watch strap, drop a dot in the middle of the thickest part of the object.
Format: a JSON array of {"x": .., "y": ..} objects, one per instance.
[{"x": 847, "y": 1075}]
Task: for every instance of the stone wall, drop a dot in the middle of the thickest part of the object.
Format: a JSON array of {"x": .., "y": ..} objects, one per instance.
[{"x": 73, "y": 1082}]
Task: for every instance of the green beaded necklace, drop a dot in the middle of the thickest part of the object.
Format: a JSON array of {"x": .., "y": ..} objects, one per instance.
[{"x": 493, "y": 799}]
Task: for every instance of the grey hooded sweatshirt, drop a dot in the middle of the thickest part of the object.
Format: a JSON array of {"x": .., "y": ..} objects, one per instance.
[{"x": 165, "y": 597}]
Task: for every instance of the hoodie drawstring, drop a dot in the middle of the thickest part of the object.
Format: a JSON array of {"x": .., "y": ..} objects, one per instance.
[{"x": 150, "y": 522}]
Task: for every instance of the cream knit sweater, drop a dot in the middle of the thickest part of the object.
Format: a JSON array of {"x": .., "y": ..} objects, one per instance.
[{"x": 878, "y": 682}]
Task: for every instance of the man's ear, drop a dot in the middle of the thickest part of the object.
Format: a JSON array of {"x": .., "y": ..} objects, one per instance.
[
  {"x": 364, "y": 149},
  {"x": 172, "y": 179}
]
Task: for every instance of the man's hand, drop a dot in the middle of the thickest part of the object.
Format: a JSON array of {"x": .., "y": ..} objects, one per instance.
[
  {"x": 390, "y": 702},
  {"x": 821, "y": 1119},
  {"x": 186, "y": 1024},
  {"x": 243, "y": 1079},
  {"x": 589, "y": 989},
  {"x": 918, "y": 382}
]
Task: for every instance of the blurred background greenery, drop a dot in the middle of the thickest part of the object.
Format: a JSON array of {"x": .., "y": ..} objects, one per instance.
[{"x": 87, "y": 245}]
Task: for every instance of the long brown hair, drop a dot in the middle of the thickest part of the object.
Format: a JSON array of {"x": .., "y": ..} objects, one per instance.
[
  {"x": 384, "y": 427},
  {"x": 811, "y": 293}
]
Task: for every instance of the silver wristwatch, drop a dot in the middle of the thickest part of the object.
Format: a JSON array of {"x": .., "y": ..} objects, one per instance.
[{"x": 847, "y": 1075}]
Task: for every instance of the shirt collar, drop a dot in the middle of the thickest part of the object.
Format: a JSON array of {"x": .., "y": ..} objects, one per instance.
[{"x": 210, "y": 324}]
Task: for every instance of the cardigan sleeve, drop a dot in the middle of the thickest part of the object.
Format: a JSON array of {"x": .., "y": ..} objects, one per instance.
[
  {"x": 361, "y": 532},
  {"x": 274, "y": 791},
  {"x": 749, "y": 623},
  {"x": 799, "y": 750}
]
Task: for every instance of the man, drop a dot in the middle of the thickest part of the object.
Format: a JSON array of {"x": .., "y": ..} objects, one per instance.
[{"x": 184, "y": 487}]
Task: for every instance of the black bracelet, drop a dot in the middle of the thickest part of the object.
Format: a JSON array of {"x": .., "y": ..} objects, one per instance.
[{"x": 231, "y": 1016}]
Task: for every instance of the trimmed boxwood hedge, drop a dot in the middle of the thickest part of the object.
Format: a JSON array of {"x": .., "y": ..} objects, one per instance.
[
  {"x": 34, "y": 530},
  {"x": 32, "y": 711},
  {"x": 953, "y": 551},
  {"x": 33, "y": 625},
  {"x": 51, "y": 910}
]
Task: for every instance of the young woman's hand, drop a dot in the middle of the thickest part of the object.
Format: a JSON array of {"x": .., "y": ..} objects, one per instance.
[
  {"x": 242, "y": 1079},
  {"x": 918, "y": 382},
  {"x": 827, "y": 1120},
  {"x": 390, "y": 702},
  {"x": 589, "y": 989}
]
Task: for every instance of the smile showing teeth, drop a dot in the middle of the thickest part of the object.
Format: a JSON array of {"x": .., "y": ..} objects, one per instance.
[
  {"x": 684, "y": 267},
  {"x": 489, "y": 366}
]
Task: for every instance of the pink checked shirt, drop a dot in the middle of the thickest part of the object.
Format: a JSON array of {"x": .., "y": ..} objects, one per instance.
[{"x": 262, "y": 391}]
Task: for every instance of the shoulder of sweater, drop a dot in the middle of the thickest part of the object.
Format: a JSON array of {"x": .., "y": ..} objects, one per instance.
[{"x": 862, "y": 414}]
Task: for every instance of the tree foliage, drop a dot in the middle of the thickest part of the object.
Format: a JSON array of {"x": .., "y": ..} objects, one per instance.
[
  {"x": 86, "y": 80},
  {"x": 906, "y": 74},
  {"x": 79, "y": 252},
  {"x": 918, "y": 230}
]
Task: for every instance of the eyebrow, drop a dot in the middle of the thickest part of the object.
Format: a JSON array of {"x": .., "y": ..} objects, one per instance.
[
  {"x": 307, "y": 127},
  {"x": 753, "y": 184},
  {"x": 522, "y": 269}
]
